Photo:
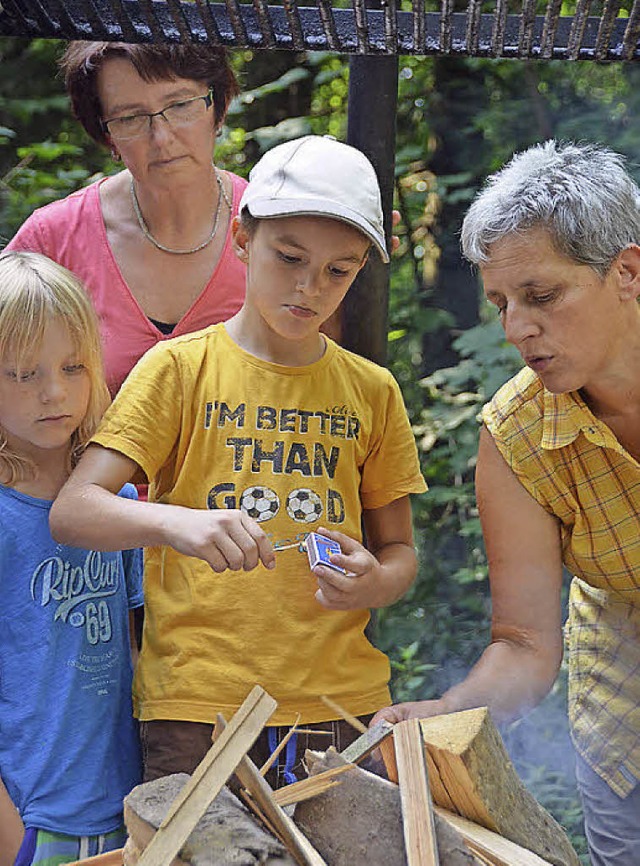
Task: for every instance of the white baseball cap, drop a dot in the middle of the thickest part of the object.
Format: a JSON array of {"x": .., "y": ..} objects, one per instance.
[{"x": 318, "y": 176}]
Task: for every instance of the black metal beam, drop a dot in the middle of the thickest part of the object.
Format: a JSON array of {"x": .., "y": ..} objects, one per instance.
[{"x": 371, "y": 127}]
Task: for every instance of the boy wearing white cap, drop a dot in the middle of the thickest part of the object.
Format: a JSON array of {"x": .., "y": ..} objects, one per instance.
[{"x": 254, "y": 433}]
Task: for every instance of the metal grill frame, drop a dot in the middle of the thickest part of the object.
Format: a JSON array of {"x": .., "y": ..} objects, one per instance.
[{"x": 358, "y": 30}]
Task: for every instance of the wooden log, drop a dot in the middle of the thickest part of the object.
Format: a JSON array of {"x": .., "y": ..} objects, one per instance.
[
  {"x": 472, "y": 775},
  {"x": 295, "y": 841},
  {"x": 226, "y": 835},
  {"x": 359, "y": 822},
  {"x": 415, "y": 796},
  {"x": 208, "y": 778}
]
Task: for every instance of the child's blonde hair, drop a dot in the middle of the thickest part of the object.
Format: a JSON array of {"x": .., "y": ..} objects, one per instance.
[{"x": 34, "y": 291}]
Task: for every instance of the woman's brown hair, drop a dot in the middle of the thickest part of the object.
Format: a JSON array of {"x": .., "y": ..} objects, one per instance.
[{"x": 81, "y": 63}]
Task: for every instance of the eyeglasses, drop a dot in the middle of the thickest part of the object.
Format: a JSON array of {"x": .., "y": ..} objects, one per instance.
[{"x": 177, "y": 114}]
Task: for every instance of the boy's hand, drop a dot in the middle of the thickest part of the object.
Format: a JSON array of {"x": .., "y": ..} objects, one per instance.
[
  {"x": 358, "y": 588},
  {"x": 225, "y": 538}
]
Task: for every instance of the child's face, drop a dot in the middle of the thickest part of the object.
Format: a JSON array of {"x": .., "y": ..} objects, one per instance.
[
  {"x": 298, "y": 271},
  {"x": 43, "y": 403}
]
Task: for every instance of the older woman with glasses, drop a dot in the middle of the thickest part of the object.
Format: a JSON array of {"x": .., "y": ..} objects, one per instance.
[{"x": 152, "y": 242}]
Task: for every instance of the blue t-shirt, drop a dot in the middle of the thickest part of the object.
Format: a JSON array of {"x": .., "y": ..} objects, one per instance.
[{"x": 69, "y": 748}]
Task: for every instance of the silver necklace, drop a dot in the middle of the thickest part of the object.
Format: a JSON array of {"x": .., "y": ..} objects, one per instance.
[{"x": 144, "y": 228}]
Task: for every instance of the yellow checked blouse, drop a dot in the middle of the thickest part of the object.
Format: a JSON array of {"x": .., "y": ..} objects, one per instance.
[{"x": 573, "y": 465}]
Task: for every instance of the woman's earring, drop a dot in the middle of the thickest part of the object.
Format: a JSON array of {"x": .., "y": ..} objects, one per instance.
[{"x": 115, "y": 156}]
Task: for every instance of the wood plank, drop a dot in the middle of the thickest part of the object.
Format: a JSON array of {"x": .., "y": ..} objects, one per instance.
[
  {"x": 415, "y": 796},
  {"x": 208, "y": 778},
  {"x": 490, "y": 845},
  {"x": 367, "y": 742},
  {"x": 291, "y": 836},
  {"x": 439, "y": 792}
]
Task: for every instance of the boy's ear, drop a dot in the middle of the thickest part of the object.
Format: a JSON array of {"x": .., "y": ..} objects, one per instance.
[
  {"x": 240, "y": 239},
  {"x": 365, "y": 259}
]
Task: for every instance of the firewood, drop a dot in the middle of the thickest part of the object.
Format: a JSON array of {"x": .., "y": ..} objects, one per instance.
[
  {"x": 208, "y": 778},
  {"x": 273, "y": 757},
  {"x": 309, "y": 787},
  {"x": 354, "y": 721},
  {"x": 296, "y": 842},
  {"x": 371, "y": 739},
  {"x": 490, "y": 846},
  {"x": 415, "y": 796},
  {"x": 359, "y": 822},
  {"x": 471, "y": 775},
  {"x": 225, "y": 835}
]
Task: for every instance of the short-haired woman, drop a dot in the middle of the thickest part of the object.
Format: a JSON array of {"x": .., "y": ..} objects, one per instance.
[{"x": 556, "y": 236}]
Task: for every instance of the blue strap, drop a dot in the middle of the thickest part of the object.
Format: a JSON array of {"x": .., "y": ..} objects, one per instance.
[
  {"x": 24, "y": 857},
  {"x": 289, "y": 754},
  {"x": 290, "y": 760}
]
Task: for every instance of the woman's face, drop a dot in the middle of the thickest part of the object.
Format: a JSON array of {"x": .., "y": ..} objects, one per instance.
[
  {"x": 571, "y": 326},
  {"x": 164, "y": 154}
]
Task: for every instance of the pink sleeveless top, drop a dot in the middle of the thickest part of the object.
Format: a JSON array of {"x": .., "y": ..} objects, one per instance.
[{"x": 72, "y": 232}]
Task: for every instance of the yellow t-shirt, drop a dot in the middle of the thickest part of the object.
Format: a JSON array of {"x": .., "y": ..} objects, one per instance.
[
  {"x": 296, "y": 447},
  {"x": 573, "y": 465}
]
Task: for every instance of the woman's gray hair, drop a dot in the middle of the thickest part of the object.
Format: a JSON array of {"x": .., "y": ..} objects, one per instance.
[{"x": 580, "y": 193}]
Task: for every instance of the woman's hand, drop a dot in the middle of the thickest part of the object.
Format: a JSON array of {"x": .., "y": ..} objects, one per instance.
[{"x": 409, "y": 710}]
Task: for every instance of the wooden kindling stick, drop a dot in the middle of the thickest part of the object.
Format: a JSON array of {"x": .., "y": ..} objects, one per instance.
[
  {"x": 415, "y": 795},
  {"x": 344, "y": 714},
  {"x": 305, "y": 789},
  {"x": 492, "y": 847},
  {"x": 292, "y": 837},
  {"x": 273, "y": 757}
]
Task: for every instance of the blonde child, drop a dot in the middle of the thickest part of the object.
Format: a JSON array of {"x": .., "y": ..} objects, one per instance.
[
  {"x": 68, "y": 742},
  {"x": 255, "y": 433}
]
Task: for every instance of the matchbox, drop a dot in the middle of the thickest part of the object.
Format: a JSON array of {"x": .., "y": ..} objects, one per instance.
[{"x": 318, "y": 549}]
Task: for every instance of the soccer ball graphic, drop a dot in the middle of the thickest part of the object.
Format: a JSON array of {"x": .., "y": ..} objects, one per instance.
[
  {"x": 261, "y": 503},
  {"x": 304, "y": 506}
]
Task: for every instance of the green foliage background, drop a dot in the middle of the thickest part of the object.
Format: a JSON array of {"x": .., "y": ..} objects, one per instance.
[{"x": 458, "y": 119}]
